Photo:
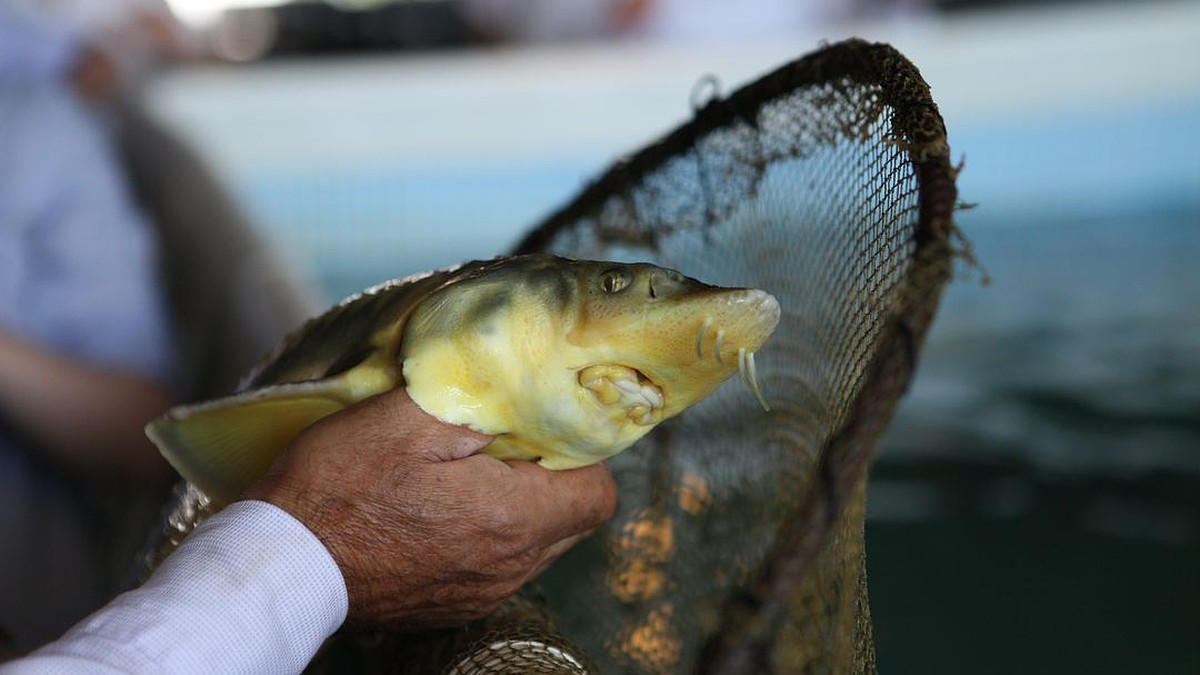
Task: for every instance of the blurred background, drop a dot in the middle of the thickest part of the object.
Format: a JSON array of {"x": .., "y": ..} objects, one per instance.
[{"x": 1036, "y": 507}]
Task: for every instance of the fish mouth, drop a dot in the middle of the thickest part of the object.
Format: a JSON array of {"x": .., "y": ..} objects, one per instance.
[{"x": 627, "y": 389}]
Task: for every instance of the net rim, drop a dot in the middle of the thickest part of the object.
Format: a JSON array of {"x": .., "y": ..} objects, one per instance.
[{"x": 916, "y": 121}]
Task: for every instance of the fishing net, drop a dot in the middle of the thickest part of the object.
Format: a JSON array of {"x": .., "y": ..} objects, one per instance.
[{"x": 738, "y": 542}]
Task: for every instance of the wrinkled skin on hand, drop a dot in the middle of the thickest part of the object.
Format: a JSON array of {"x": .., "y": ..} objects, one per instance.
[{"x": 426, "y": 532}]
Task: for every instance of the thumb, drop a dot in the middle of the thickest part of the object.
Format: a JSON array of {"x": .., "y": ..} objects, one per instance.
[{"x": 400, "y": 422}]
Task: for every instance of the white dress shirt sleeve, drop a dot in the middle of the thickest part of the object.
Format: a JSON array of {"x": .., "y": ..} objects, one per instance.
[{"x": 250, "y": 591}]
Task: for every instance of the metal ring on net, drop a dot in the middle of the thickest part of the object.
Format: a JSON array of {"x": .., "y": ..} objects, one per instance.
[{"x": 497, "y": 656}]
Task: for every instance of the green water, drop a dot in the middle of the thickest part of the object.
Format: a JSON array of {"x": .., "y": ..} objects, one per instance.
[
  {"x": 1086, "y": 576},
  {"x": 1036, "y": 506}
]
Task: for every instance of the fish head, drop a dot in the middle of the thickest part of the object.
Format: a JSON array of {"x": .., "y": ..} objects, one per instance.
[
  {"x": 678, "y": 335},
  {"x": 569, "y": 362}
]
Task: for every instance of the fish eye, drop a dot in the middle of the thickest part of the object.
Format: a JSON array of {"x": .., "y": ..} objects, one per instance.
[{"x": 615, "y": 280}]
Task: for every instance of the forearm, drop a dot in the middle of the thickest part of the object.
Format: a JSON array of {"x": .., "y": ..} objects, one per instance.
[
  {"x": 83, "y": 416},
  {"x": 252, "y": 591}
]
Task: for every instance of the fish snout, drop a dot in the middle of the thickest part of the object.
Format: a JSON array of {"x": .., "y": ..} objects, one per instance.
[
  {"x": 755, "y": 319},
  {"x": 768, "y": 312},
  {"x": 766, "y": 303},
  {"x": 743, "y": 323}
]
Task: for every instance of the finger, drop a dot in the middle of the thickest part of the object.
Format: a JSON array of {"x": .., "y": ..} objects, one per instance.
[{"x": 568, "y": 502}]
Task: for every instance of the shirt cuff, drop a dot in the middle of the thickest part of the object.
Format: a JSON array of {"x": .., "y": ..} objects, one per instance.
[{"x": 251, "y": 590}]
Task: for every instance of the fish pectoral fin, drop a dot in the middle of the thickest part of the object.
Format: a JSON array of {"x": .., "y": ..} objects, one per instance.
[{"x": 223, "y": 446}]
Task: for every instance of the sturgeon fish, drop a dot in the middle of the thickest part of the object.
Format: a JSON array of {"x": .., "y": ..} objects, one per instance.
[{"x": 566, "y": 362}]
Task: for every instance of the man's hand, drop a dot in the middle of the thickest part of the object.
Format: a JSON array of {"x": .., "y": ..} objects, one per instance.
[{"x": 426, "y": 532}]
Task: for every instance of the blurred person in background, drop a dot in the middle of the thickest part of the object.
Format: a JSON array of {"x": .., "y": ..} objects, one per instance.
[{"x": 85, "y": 347}]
